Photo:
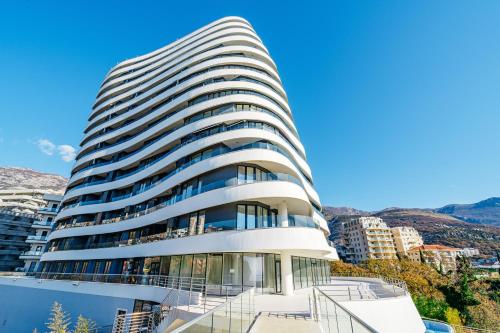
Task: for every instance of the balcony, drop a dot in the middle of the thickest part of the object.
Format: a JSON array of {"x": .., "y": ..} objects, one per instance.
[
  {"x": 48, "y": 210},
  {"x": 36, "y": 239},
  {"x": 42, "y": 224},
  {"x": 294, "y": 221},
  {"x": 31, "y": 255}
]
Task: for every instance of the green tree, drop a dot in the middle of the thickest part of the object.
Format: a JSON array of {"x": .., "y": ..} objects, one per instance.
[
  {"x": 453, "y": 316},
  {"x": 59, "y": 320},
  {"x": 84, "y": 325},
  {"x": 431, "y": 308}
]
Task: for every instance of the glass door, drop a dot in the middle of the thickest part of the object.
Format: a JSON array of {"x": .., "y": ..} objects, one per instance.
[
  {"x": 277, "y": 269},
  {"x": 214, "y": 273}
]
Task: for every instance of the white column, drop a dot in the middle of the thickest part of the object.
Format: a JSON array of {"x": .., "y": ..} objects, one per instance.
[
  {"x": 282, "y": 214},
  {"x": 286, "y": 274}
]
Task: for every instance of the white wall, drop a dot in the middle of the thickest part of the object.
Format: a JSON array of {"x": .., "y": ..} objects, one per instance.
[
  {"x": 24, "y": 309},
  {"x": 391, "y": 315}
]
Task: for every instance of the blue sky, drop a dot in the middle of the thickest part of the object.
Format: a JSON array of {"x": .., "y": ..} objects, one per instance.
[{"x": 397, "y": 102}]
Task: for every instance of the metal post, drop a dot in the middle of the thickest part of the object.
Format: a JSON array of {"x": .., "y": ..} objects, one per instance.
[
  {"x": 336, "y": 316},
  {"x": 205, "y": 301},
  {"x": 190, "y": 289},
  {"x": 227, "y": 291},
  {"x": 230, "y": 317}
]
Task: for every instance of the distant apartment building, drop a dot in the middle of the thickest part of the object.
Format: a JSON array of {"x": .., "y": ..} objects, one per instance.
[
  {"x": 406, "y": 238},
  {"x": 366, "y": 238},
  {"x": 439, "y": 256},
  {"x": 14, "y": 228},
  {"x": 40, "y": 230},
  {"x": 468, "y": 252},
  {"x": 22, "y": 200}
]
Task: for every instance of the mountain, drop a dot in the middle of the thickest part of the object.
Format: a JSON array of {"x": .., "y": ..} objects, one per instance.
[
  {"x": 330, "y": 212},
  {"x": 13, "y": 177},
  {"x": 436, "y": 225},
  {"x": 482, "y": 212}
]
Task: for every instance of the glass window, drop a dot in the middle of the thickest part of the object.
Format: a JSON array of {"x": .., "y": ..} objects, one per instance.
[
  {"x": 252, "y": 271},
  {"x": 258, "y": 174},
  {"x": 199, "y": 265},
  {"x": 241, "y": 175},
  {"x": 296, "y": 273},
  {"x": 240, "y": 219},
  {"x": 265, "y": 218},
  {"x": 326, "y": 264},
  {"x": 232, "y": 275},
  {"x": 214, "y": 273},
  {"x": 175, "y": 266},
  {"x": 164, "y": 265},
  {"x": 250, "y": 217},
  {"x": 207, "y": 153},
  {"x": 201, "y": 222},
  {"x": 97, "y": 266},
  {"x": 107, "y": 266},
  {"x": 85, "y": 266},
  {"x": 310, "y": 276},
  {"x": 269, "y": 274},
  {"x": 187, "y": 265},
  {"x": 250, "y": 175},
  {"x": 260, "y": 218},
  {"x": 303, "y": 272},
  {"x": 196, "y": 158},
  {"x": 193, "y": 220}
]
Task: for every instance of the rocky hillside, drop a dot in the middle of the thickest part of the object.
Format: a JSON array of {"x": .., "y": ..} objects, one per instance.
[
  {"x": 330, "y": 212},
  {"x": 12, "y": 177},
  {"x": 482, "y": 212},
  {"x": 437, "y": 228},
  {"x": 434, "y": 227}
]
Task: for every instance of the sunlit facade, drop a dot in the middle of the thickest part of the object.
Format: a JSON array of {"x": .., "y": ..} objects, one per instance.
[{"x": 191, "y": 165}]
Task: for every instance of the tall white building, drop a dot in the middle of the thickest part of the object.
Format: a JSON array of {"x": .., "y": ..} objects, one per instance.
[
  {"x": 406, "y": 238},
  {"x": 192, "y": 183},
  {"x": 191, "y": 165},
  {"x": 40, "y": 229},
  {"x": 366, "y": 238}
]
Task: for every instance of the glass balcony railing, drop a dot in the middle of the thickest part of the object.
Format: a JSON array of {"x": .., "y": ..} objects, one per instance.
[
  {"x": 48, "y": 209},
  {"x": 213, "y": 153},
  {"x": 31, "y": 254},
  {"x": 42, "y": 223},
  {"x": 193, "y": 138},
  {"x": 36, "y": 238},
  {"x": 334, "y": 318},
  {"x": 235, "y": 315},
  {"x": 298, "y": 221},
  {"x": 185, "y": 195},
  {"x": 172, "y": 98}
]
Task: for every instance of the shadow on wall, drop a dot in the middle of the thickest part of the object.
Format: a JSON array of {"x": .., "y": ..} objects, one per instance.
[{"x": 38, "y": 304}]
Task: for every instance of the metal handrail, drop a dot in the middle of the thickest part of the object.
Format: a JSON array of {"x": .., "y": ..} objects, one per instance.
[
  {"x": 392, "y": 281},
  {"x": 212, "y": 311},
  {"x": 317, "y": 313},
  {"x": 165, "y": 281},
  {"x": 135, "y": 322}
]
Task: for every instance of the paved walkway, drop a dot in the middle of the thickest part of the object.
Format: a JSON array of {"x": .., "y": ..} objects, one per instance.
[{"x": 281, "y": 324}]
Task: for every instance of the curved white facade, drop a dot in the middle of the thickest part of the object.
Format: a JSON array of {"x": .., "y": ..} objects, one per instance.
[{"x": 190, "y": 149}]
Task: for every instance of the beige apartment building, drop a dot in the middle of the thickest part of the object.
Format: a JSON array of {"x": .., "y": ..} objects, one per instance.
[
  {"x": 439, "y": 256},
  {"x": 367, "y": 238},
  {"x": 406, "y": 238}
]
